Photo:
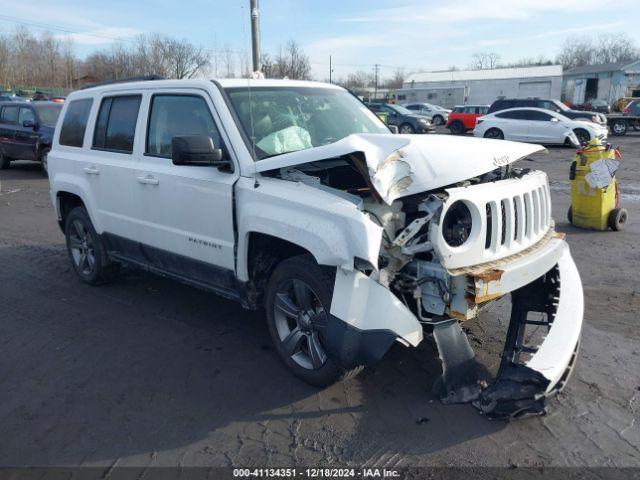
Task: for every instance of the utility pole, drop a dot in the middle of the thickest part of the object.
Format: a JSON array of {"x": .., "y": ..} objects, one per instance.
[
  {"x": 376, "y": 68},
  {"x": 255, "y": 35},
  {"x": 330, "y": 70}
]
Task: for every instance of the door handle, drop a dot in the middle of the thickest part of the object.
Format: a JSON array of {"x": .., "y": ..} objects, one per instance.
[
  {"x": 148, "y": 180},
  {"x": 91, "y": 170}
]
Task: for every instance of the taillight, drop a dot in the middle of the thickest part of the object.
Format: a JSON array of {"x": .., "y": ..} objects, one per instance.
[
  {"x": 627, "y": 110},
  {"x": 479, "y": 121}
]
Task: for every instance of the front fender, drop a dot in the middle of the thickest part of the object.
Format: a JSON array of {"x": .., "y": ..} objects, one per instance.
[{"x": 331, "y": 228}]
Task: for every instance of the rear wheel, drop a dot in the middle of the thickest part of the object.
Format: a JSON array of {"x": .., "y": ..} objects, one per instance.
[
  {"x": 619, "y": 127},
  {"x": 618, "y": 218},
  {"x": 438, "y": 119},
  {"x": 494, "y": 133},
  {"x": 298, "y": 300},
  {"x": 582, "y": 135},
  {"x": 457, "y": 127},
  {"x": 4, "y": 162},
  {"x": 86, "y": 251},
  {"x": 407, "y": 128}
]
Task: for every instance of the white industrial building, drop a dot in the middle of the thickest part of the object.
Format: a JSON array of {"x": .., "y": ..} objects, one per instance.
[{"x": 481, "y": 86}]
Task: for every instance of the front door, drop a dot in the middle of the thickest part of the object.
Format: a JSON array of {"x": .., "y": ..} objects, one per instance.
[
  {"x": 184, "y": 213},
  {"x": 26, "y": 137},
  {"x": 8, "y": 124},
  {"x": 545, "y": 128}
]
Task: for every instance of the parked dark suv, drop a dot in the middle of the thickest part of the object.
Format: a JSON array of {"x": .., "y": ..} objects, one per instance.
[
  {"x": 555, "y": 105},
  {"x": 406, "y": 120},
  {"x": 26, "y": 131}
]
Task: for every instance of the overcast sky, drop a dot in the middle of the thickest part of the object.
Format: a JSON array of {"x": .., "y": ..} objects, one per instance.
[{"x": 417, "y": 35}]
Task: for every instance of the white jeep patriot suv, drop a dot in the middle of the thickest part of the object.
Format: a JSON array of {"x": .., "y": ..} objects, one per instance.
[{"x": 293, "y": 197}]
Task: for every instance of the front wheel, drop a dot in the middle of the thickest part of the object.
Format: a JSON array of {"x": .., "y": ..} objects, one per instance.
[
  {"x": 298, "y": 300},
  {"x": 407, "y": 128},
  {"x": 582, "y": 135},
  {"x": 438, "y": 119},
  {"x": 4, "y": 162},
  {"x": 44, "y": 161},
  {"x": 494, "y": 133}
]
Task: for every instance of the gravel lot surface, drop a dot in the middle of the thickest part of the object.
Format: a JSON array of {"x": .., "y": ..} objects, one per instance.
[{"x": 145, "y": 371}]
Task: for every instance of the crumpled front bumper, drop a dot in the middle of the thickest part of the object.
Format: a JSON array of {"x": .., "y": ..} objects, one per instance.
[{"x": 521, "y": 388}]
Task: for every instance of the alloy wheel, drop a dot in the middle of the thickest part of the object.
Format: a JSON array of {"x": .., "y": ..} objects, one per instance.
[
  {"x": 82, "y": 249},
  {"x": 301, "y": 323}
]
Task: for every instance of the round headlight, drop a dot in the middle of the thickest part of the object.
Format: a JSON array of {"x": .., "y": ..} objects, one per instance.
[{"x": 456, "y": 226}]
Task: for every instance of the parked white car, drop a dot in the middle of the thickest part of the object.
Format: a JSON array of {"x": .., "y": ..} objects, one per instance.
[
  {"x": 439, "y": 114},
  {"x": 537, "y": 125},
  {"x": 294, "y": 197}
]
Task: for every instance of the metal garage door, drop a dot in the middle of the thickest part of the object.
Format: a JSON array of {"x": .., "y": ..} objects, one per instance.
[{"x": 534, "y": 89}]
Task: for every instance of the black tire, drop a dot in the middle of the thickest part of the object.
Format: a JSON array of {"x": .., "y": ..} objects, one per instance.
[
  {"x": 583, "y": 136},
  {"x": 4, "y": 162},
  {"x": 636, "y": 125},
  {"x": 618, "y": 127},
  {"x": 43, "y": 161},
  {"x": 86, "y": 251},
  {"x": 406, "y": 129},
  {"x": 618, "y": 219},
  {"x": 457, "y": 127},
  {"x": 570, "y": 215},
  {"x": 291, "y": 276},
  {"x": 438, "y": 120},
  {"x": 494, "y": 133}
]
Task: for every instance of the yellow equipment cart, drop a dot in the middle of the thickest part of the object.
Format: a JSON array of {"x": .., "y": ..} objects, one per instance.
[{"x": 595, "y": 202}]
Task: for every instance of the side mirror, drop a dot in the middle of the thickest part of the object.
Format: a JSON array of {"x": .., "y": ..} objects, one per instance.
[
  {"x": 393, "y": 128},
  {"x": 29, "y": 124},
  {"x": 554, "y": 120},
  {"x": 198, "y": 150}
]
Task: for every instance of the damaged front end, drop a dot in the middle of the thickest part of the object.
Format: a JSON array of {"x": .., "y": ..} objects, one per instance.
[{"x": 450, "y": 247}]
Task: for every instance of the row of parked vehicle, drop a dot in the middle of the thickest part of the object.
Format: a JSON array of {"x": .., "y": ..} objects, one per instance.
[{"x": 527, "y": 120}]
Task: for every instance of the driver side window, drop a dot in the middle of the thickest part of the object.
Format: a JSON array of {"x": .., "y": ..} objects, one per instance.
[{"x": 173, "y": 115}]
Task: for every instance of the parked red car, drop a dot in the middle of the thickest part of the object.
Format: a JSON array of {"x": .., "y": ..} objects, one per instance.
[{"x": 463, "y": 118}]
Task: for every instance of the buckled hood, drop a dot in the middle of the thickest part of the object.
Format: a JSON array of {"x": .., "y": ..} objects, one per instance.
[{"x": 401, "y": 165}]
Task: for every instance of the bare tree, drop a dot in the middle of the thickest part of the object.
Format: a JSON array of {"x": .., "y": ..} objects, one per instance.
[
  {"x": 184, "y": 60},
  {"x": 228, "y": 62},
  {"x": 292, "y": 62},
  {"x": 605, "y": 48},
  {"x": 484, "y": 60}
]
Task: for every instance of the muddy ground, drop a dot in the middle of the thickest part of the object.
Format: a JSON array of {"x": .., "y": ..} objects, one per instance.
[{"x": 146, "y": 371}]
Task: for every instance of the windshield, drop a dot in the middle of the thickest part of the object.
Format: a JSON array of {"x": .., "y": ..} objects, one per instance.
[
  {"x": 48, "y": 113},
  {"x": 279, "y": 120},
  {"x": 560, "y": 106},
  {"x": 401, "y": 110}
]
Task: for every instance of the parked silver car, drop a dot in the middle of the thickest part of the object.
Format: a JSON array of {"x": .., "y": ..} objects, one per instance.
[{"x": 439, "y": 114}]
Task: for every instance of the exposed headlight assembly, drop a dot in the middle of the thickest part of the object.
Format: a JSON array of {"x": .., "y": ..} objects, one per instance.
[{"x": 457, "y": 223}]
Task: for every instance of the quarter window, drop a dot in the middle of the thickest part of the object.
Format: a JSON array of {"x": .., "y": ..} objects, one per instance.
[
  {"x": 9, "y": 115},
  {"x": 176, "y": 115},
  {"x": 116, "y": 124},
  {"x": 75, "y": 123}
]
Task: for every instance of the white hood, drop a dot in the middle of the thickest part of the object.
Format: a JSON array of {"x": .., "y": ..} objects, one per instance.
[{"x": 401, "y": 165}]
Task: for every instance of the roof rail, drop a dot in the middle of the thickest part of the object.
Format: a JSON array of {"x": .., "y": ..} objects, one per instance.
[{"x": 124, "y": 80}]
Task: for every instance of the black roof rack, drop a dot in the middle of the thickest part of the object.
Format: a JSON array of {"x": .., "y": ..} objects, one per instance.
[{"x": 124, "y": 80}]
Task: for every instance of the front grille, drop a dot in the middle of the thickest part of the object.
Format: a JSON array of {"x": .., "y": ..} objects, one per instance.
[{"x": 517, "y": 220}]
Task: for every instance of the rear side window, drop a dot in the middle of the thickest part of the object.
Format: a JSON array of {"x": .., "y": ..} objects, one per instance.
[
  {"x": 75, "y": 123},
  {"x": 26, "y": 114},
  {"x": 517, "y": 115},
  {"x": 176, "y": 115},
  {"x": 9, "y": 115},
  {"x": 116, "y": 124}
]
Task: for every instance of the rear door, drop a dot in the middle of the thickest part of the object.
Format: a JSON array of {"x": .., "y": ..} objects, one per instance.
[
  {"x": 26, "y": 137},
  {"x": 110, "y": 165},
  {"x": 183, "y": 212},
  {"x": 8, "y": 124},
  {"x": 514, "y": 124}
]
